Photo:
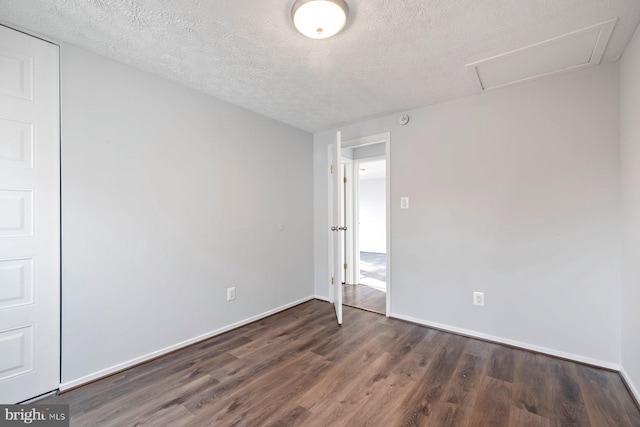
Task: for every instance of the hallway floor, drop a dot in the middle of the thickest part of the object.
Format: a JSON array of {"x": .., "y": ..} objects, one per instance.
[{"x": 373, "y": 270}]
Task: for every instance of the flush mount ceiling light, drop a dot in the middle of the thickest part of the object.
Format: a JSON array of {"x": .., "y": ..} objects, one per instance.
[{"x": 319, "y": 19}]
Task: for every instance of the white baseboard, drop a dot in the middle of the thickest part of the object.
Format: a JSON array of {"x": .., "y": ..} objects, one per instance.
[
  {"x": 129, "y": 363},
  {"x": 512, "y": 343},
  {"x": 630, "y": 384},
  {"x": 325, "y": 299}
]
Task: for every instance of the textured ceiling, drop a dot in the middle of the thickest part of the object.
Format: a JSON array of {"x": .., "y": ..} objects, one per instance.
[{"x": 393, "y": 55}]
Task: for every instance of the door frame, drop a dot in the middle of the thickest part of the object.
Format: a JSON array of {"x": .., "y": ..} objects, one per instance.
[
  {"x": 385, "y": 138},
  {"x": 348, "y": 195},
  {"x": 354, "y": 233}
]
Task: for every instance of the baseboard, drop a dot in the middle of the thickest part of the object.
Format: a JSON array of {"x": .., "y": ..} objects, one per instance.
[
  {"x": 153, "y": 355},
  {"x": 325, "y": 299},
  {"x": 511, "y": 343},
  {"x": 37, "y": 398},
  {"x": 632, "y": 388}
]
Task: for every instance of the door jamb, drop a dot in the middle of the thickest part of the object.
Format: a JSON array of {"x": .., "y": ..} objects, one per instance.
[{"x": 349, "y": 274}]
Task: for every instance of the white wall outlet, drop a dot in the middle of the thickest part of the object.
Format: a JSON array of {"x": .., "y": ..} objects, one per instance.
[
  {"x": 404, "y": 203},
  {"x": 478, "y": 298},
  {"x": 231, "y": 294}
]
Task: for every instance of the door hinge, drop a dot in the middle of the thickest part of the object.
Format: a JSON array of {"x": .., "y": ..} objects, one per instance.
[
  {"x": 332, "y": 280},
  {"x": 331, "y": 169},
  {"x": 345, "y": 179},
  {"x": 345, "y": 265}
]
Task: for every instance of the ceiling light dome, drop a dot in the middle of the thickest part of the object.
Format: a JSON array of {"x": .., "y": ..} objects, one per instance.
[{"x": 319, "y": 19}]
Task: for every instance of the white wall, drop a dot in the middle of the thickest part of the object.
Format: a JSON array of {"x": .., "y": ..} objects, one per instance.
[
  {"x": 372, "y": 213},
  {"x": 169, "y": 197},
  {"x": 372, "y": 150},
  {"x": 630, "y": 154},
  {"x": 514, "y": 192}
]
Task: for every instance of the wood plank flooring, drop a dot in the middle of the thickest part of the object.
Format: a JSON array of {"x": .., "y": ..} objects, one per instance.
[
  {"x": 364, "y": 297},
  {"x": 298, "y": 368}
]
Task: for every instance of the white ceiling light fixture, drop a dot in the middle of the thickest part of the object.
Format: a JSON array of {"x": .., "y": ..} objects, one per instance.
[{"x": 319, "y": 19}]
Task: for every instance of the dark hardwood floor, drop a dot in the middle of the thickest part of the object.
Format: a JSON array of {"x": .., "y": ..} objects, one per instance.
[
  {"x": 365, "y": 297},
  {"x": 299, "y": 368}
]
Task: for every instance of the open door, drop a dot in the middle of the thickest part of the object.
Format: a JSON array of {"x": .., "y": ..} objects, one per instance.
[{"x": 338, "y": 228}]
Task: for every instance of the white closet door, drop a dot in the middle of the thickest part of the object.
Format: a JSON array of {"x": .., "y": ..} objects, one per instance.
[{"x": 29, "y": 217}]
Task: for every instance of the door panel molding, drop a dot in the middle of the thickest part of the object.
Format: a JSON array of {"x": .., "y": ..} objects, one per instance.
[{"x": 29, "y": 217}]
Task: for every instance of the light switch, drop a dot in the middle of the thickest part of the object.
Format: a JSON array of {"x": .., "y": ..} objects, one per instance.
[{"x": 404, "y": 203}]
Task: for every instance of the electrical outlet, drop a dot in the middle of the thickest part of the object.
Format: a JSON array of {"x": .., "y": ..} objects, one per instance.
[
  {"x": 231, "y": 294},
  {"x": 404, "y": 203},
  {"x": 478, "y": 298}
]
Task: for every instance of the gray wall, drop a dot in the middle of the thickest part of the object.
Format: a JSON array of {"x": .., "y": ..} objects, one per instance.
[
  {"x": 373, "y": 150},
  {"x": 630, "y": 154},
  {"x": 515, "y": 193},
  {"x": 169, "y": 197}
]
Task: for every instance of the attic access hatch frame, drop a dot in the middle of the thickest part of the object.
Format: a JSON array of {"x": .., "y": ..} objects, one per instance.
[{"x": 568, "y": 52}]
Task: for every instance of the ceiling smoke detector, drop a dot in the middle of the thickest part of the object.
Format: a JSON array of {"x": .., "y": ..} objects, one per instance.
[{"x": 319, "y": 19}]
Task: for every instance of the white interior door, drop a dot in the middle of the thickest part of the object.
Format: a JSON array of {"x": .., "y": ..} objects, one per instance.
[
  {"x": 337, "y": 227},
  {"x": 29, "y": 217}
]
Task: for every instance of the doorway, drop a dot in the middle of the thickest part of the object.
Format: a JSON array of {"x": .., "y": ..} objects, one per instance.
[{"x": 366, "y": 278}]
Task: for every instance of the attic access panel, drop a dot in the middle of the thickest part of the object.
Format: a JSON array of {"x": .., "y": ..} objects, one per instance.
[{"x": 568, "y": 52}]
